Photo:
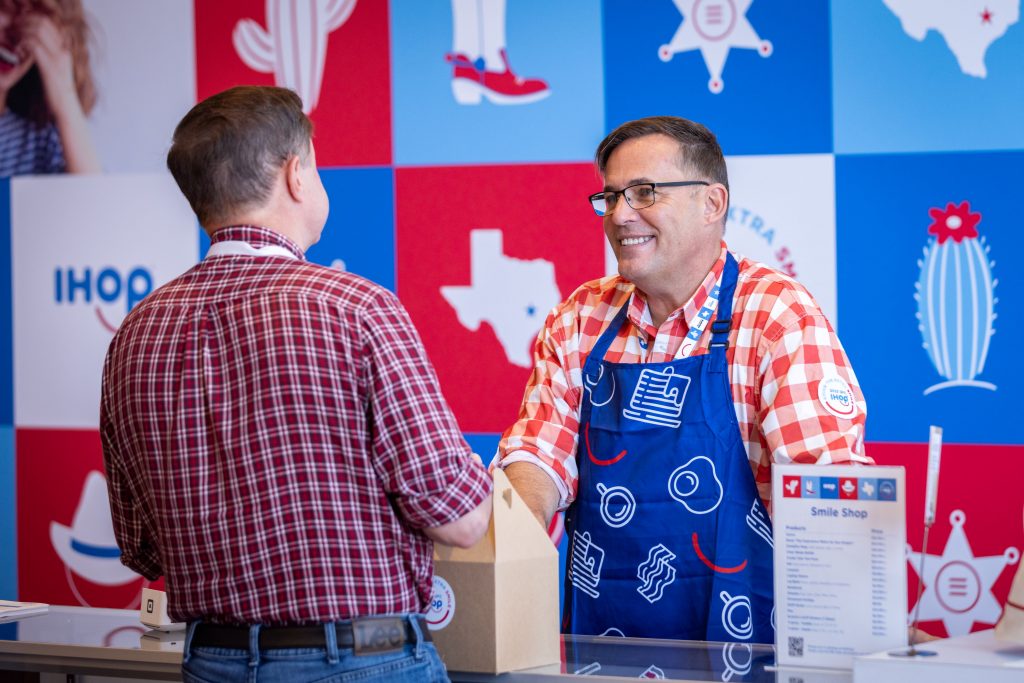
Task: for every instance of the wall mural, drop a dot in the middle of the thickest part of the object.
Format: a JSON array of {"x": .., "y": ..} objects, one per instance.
[{"x": 873, "y": 147}]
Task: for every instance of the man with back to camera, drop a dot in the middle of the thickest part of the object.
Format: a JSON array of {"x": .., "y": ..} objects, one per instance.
[
  {"x": 661, "y": 397},
  {"x": 275, "y": 438}
]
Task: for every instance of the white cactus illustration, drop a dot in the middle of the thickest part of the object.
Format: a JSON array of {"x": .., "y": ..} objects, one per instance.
[
  {"x": 956, "y": 298},
  {"x": 294, "y": 45}
]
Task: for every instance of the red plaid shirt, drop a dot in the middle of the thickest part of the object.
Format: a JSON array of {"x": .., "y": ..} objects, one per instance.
[
  {"x": 274, "y": 438},
  {"x": 781, "y": 347}
]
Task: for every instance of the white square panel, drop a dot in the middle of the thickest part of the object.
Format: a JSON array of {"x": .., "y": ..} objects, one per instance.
[
  {"x": 144, "y": 65},
  {"x": 783, "y": 213},
  {"x": 84, "y": 249}
]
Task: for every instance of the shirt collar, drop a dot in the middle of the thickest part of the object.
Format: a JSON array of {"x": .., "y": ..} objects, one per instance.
[
  {"x": 256, "y": 236},
  {"x": 639, "y": 312}
]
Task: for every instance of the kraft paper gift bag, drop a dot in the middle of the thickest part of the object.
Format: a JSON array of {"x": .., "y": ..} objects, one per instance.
[{"x": 494, "y": 607}]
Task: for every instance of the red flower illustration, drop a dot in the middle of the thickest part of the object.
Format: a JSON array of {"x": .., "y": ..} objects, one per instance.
[{"x": 954, "y": 222}]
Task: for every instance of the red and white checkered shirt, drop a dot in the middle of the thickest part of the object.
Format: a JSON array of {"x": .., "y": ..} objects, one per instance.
[
  {"x": 274, "y": 437},
  {"x": 781, "y": 346}
]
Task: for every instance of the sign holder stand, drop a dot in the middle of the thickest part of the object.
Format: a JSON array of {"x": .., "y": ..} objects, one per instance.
[{"x": 931, "y": 495}]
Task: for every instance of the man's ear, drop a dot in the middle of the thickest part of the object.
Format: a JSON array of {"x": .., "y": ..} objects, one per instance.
[
  {"x": 293, "y": 178},
  {"x": 716, "y": 202}
]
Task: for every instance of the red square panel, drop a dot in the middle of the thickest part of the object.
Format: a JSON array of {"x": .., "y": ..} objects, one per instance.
[
  {"x": 66, "y": 550},
  {"x": 975, "y": 544},
  {"x": 484, "y": 253},
  {"x": 338, "y": 61}
]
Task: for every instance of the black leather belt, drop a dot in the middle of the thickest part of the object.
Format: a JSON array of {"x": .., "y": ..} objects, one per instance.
[{"x": 365, "y": 635}]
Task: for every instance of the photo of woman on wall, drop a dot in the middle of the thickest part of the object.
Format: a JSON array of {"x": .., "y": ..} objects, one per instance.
[{"x": 46, "y": 89}]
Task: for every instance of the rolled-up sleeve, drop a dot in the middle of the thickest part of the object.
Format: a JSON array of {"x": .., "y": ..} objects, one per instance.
[
  {"x": 546, "y": 432},
  {"x": 802, "y": 364},
  {"x": 419, "y": 454}
]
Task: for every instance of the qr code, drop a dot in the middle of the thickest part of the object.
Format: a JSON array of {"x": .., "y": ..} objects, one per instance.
[{"x": 796, "y": 646}]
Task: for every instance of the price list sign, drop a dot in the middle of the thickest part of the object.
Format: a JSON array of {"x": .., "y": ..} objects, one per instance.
[{"x": 840, "y": 563}]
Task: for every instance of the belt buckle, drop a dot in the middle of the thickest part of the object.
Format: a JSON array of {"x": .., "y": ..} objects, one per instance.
[{"x": 377, "y": 635}]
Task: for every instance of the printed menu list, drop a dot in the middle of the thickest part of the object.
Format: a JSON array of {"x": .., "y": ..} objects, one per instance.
[{"x": 840, "y": 563}]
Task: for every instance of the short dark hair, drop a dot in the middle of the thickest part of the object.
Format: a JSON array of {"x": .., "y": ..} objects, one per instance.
[
  {"x": 229, "y": 147},
  {"x": 698, "y": 146}
]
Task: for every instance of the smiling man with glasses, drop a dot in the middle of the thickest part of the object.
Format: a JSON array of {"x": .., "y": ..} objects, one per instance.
[
  {"x": 661, "y": 398},
  {"x": 638, "y": 196}
]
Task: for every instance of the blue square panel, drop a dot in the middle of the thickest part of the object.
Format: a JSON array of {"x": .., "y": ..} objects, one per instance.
[
  {"x": 359, "y": 236},
  {"x": 483, "y": 81},
  {"x": 928, "y": 293},
  {"x": 756, "y": 72},
  {"x": 360, "y": 233},
  {"x": 927, "y": 76}
]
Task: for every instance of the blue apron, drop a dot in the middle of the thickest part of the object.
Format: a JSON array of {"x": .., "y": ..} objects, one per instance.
[{"x": 668, "y": 536}]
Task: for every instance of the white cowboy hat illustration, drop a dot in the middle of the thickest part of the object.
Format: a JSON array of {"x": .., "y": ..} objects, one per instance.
[{"x": 88, "y": 547}]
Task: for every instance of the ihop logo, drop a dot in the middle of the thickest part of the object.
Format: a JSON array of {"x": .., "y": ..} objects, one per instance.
[
  {"x": 837, "y": 397},
  {"x": 840, "y": 397},
  {"x": 111, "y": 291},
  {"x": 442, "y": 604}
]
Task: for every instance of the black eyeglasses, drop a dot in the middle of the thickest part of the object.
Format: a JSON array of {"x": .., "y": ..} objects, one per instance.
[{"x": 638, "y": 196}]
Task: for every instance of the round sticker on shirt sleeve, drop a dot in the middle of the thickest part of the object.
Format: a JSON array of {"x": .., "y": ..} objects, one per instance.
[
  {"x": 442, "y": 605},
  {"x": 837, "y": 397}
]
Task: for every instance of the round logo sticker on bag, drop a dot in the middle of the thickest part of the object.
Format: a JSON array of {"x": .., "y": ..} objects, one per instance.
[
  {"x": 837, "y": 397},
  {"x": 442, "y": 605}
]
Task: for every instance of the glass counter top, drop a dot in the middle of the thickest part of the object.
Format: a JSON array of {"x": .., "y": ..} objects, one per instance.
[{"x": 114, "y": 642}]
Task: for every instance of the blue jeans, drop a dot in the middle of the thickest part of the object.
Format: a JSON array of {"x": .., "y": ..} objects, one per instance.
[{"x": 414, "y": 663}]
